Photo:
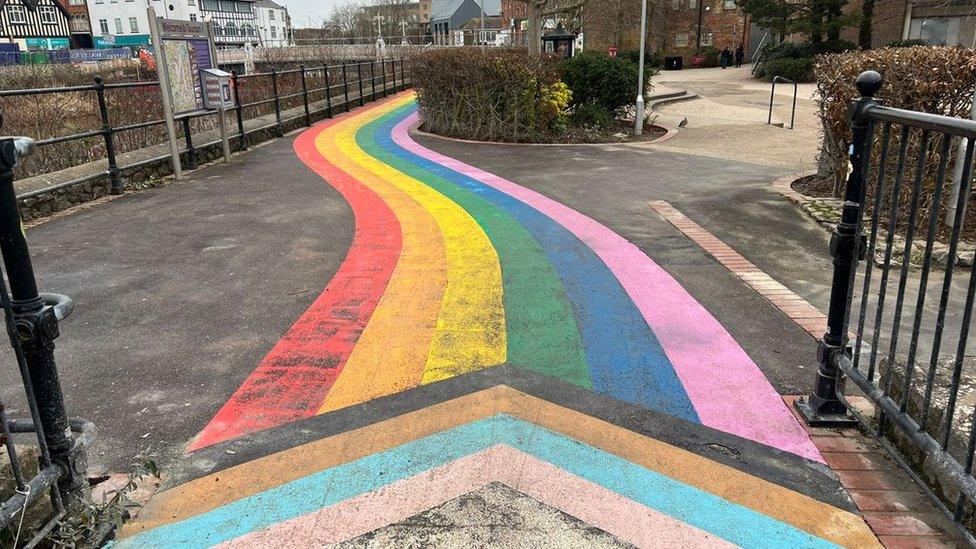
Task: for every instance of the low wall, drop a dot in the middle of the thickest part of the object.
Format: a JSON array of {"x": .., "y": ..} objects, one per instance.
[{"x": 149, "y": 166}]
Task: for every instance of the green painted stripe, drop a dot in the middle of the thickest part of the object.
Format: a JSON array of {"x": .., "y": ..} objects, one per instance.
[{"x": 542, "y": 332}]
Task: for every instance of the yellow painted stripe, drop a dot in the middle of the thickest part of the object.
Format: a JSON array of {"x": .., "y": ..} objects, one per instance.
[
  {"x": 208, "y": 493},
  {"x": 470, "y": 332},
  {"x": 390, "y": 354}
]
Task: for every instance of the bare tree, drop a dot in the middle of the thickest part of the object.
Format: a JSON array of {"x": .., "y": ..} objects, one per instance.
[{"x": 537, "y": 10}]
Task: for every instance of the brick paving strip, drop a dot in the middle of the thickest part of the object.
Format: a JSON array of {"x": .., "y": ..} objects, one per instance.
[{"x": 898, "y": 513}]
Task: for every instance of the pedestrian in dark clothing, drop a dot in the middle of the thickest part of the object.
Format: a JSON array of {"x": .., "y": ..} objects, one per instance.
[
  {"x": 740, "y": 55},
  {"x": 726, "y": 57}
]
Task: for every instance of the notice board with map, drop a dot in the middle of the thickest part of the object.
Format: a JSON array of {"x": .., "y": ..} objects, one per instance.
[{"x": 186, "y": 50}]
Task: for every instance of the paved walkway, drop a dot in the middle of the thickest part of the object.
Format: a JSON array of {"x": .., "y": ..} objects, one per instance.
[
  {"x": 482, "y": 342},
  {"x": 728, "y": 120}
]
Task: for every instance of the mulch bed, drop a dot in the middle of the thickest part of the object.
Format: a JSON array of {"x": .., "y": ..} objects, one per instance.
[{"x": 815, "y": 186}]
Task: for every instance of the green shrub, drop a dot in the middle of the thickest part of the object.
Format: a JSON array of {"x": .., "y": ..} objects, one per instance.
[
  {"x": 804, "y": 50},
  {"x": 797, "y": 70},
  {"x": 593, "y": 116},
  {"x": 600, "y": 80},
  {"x": 651, "y": 60},
  {"x": 498, "y": 95},
  {"x": 907, "y": 43}
]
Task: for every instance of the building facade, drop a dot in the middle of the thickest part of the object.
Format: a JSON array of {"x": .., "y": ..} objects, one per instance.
[
  {"x": 81, "y": 32},
  {"x": 449, "y": 16},
  {"x": 36, "y": 25},
  {"x": 273, "y": 23},
  {"x": 234, "y": 21},
  {"x": 118, "y": 23}
]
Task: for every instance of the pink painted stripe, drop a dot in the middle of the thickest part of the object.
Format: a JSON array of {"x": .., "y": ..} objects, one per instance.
[
  {"x": 726, "y": 387},
  {"x": 589, "y": 502}
]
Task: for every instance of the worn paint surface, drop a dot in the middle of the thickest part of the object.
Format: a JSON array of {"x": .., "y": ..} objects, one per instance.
[
  {"x": 454, "y": 269},
  {"x": 639, "y": 489}
]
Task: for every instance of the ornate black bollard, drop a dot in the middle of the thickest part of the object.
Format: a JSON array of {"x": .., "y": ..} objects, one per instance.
[{"x": 823, "y": 407}]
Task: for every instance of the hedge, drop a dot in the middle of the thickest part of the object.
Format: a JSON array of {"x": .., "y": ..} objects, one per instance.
[
  {"x": 497, "y": 95},
  {"x": 797, "y": 70},
  {"x": 932, "y": 79}
]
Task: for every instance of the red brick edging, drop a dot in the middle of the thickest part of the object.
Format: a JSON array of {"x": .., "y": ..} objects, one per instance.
[{"x": 798, "y": 309}]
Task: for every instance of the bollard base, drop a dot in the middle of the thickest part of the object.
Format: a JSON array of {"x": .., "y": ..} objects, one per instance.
[{"x": 826, "y": 414}]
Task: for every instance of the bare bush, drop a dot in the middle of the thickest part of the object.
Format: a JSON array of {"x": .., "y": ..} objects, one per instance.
[{"x": 932, "y": 79}]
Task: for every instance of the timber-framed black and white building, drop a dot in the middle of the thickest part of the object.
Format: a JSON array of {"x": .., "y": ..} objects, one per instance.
[
  {"x": 34, "y": 24},
  {"x": 234, "y": 21}
]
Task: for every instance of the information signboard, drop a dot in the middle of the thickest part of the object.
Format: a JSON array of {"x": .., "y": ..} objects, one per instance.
[{"x": 186, "y": 51}]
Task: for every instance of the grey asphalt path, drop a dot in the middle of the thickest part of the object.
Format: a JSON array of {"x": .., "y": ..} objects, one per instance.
[{"x": 180, "y": 291}]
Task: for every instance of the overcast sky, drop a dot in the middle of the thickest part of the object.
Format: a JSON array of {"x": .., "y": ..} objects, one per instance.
[{"x": 309, "y": 13}]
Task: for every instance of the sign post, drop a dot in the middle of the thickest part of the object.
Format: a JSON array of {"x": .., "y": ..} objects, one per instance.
[
  {"x": 189, "y": 81},
  {"x": 167, "y": 100}
]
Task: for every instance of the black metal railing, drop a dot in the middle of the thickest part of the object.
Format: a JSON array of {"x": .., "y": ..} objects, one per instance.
[
  {"x": 32, "y": 321},
  {"x": 896, "y": 328},
  {"x": 772, "y": 96},
  {"x": 317, "y": 90}
]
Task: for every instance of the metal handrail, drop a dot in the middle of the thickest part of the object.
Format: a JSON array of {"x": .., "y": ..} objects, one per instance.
[{"x": 772, "y": 95}]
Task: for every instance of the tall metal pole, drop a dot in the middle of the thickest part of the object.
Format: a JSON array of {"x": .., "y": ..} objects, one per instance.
[
  {"x": 957, "y": 173},
  {"x": 639, "y": 110},
  {"x": 481, "y": 36}
]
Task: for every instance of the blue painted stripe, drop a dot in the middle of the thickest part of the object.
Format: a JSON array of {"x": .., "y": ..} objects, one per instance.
[
  {"x": 688, "y": 504},
  {"x": 626, "y": 360}
]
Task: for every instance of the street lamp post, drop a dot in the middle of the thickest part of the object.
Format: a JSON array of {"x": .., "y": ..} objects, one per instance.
[
  {"x": 639, "y": 110},
  {"x": 481, "y": 37}
]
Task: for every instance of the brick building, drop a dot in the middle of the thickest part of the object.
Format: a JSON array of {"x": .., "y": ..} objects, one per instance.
[
  {"x": 673, "y": 26},
  {"x": 81, "y": 32},
  {"x": 514, "y": 17}
]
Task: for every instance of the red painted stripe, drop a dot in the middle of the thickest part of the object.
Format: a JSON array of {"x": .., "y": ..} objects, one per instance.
[{"x": 293, "y": 379}]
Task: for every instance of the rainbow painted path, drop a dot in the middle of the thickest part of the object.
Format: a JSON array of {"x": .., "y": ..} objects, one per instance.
[
  {"x": 483, "y": 343},
  {"x": 454, "y": 269}
]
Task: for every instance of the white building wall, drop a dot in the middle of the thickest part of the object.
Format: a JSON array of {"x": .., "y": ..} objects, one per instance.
[
  {"x": 118, "y": 15},
  {"x": 273, "y": 26}
]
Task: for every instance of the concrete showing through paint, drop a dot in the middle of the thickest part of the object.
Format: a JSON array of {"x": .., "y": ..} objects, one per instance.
[
  {"x": 638, "y": 489},
  {"x": 454, "y": 269}
]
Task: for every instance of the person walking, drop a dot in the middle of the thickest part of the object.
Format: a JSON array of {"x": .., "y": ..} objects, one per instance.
[
  {"x": 740, "y": 55},
  {"x": 726, "y": 57}
]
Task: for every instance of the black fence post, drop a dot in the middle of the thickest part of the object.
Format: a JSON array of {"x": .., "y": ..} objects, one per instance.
[
  {"x": 403, "y": 76},
  {"x": 36, "y": 322},
  {"x": 372, "y": 78},
  {"x": 308, "y": 115},
  {"x": 242, "y": 143},
  {"x": 345, "y": 86},
  {"x": 114, "y": 177},
  {"x": 359, "y": 80},
  {"x": 191, "y": 151},
  {"x": 277, "y": 103},
  {"x": 394, "y": 76},
  {"x": 386, "y": 92},
  {"x": 823, "y": 407},
  {"x": 328, "y": 91}
]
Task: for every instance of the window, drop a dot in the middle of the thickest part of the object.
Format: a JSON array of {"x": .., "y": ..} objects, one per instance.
[
  {"x": 243, "y": 7},
  {"x": 134, "y": 25},
  {"x": 271, "y": 15},
  {"x": 730, "y": 5},
  {"x": 247, "y": 30},
  {"x": 692, "y": 4},
  {"x": 226, "y": 5},
  {"x": 676, "y": 4},
  {"x": 706, "y": 39},
  {"x": 118, "y": 26},
  {"x": 17, "y": 14},
  {"x": 76, "y": 2},
  {"x": 935, "y": 30},
  {"x": 230, "y": 29},
  {"x": 218, "y": 30},
  {"x": 191, "y": 2},
  {"x": 49, "y": 14},
  {"x": 681, "y": 39},
  {"x": 274, "y": 32},
  {"x": 103, "y": 26},
  {"x": 193, "y": 17},
  {"x": 210, "y": 5}
]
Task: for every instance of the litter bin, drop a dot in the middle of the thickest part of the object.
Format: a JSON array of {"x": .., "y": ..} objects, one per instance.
[{"x": 672, "y": 63}]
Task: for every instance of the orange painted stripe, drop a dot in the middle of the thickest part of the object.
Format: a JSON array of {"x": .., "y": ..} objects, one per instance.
[{"x": 207, "y": 493}]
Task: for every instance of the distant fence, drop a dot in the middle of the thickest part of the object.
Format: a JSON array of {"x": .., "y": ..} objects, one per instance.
[{"x": 317, "y": 90}]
